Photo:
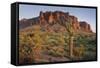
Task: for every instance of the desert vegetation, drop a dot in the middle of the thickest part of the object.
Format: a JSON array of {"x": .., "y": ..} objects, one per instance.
[{"x": 38, "y": 46}]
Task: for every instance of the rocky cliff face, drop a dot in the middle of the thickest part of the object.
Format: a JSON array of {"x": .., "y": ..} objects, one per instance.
[
  {"x": 55, "y": 21},
  {"x": 84, "y": 26}
]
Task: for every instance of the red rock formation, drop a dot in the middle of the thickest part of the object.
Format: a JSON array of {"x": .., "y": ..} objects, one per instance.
[
  {"x": 55, "y": 21},
  {"x": 84, "y": 26},
  {"x": 75, "y": 23}
]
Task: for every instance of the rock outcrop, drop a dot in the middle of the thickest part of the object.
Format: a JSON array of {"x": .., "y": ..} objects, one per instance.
[
  {"x": 84, "y": 26},
  {"x": 55, "y": 21}
]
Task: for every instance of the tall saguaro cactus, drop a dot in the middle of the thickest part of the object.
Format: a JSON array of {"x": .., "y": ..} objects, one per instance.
[{"x": 69, "y": 28}]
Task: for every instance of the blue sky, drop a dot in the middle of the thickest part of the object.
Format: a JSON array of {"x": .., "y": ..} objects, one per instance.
[{"x": 83, "y": 14}]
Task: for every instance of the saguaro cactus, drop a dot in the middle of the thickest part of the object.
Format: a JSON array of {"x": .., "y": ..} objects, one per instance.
[{"x": 69, "y": 28}]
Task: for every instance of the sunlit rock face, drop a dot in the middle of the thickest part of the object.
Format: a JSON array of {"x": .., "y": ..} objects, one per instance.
[
  {"x": 84, "y": 26},
  {"x": 55, "y": 21}
]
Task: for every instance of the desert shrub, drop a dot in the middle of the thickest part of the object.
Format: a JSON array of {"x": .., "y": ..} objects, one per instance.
[
  {"x": 25, "y": 49},
  {"x": 79, "y": 51},
  {"x": 52, "y": 42},
  {"x": 88, "y": 55},
  {"x": 56, "y": 52},
  {"x": 30, "y": 45},
  {"x": 89, "y": 48}
]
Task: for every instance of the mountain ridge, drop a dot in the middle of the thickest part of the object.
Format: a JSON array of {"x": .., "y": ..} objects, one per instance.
[{"x": 54, "y": 21}]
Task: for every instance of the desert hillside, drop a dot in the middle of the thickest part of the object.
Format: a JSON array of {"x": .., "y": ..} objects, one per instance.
[{"x": 55, "y": 37}]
